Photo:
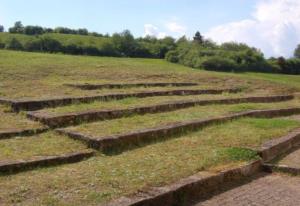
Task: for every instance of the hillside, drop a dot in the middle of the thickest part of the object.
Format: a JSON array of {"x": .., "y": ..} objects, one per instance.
[{"x": 81, "y": 130}]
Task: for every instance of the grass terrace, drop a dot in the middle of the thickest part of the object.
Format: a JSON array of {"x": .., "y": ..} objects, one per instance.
[
  {"x": 139, "y": 122},
  {"x": 135, "y": 102},
  {"x": 102, "y": 178}
]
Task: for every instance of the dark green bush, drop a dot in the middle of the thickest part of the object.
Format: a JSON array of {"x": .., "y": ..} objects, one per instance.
[
  {"x": 172, "y": 56},
  {"x": 216, "y": 63},
  {"x": 50, "y": 45},
  {"x": 33, "y": 45},
  {"x": 13, "y": 44}
]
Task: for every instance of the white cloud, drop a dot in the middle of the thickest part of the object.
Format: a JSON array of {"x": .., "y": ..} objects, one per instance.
[
  {"x": 274, "y": 28},
  {"x": 171, "y": 28},
  {"x": 176, "y": 28},
  {"x": 151, "y": 30}
]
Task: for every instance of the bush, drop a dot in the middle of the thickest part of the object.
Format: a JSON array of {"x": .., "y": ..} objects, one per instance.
[
  {"x": 219, "y": 64},
  {"x": 50, "y": 45},
  {"x": 33, "y": 30},
  {"x": 33, "y": 45},
  {"x": 2, "y": 45},
  {"x": 172, "y": 56},
  {"x": 291, "y": 66},
  {"x": 13, "y": 44}
]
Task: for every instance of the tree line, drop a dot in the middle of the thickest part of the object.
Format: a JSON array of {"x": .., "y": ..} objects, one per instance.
[{"x": 197, "y": 53}]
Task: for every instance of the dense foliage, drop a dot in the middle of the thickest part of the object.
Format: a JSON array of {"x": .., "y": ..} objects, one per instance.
[
  {"x": 297, "y": 52},
  {"x": 197, "y": 53},
  {"x": 230, "y": 56}
]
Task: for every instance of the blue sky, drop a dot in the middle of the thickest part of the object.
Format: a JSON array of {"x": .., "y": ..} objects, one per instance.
[
  {"x": 116, "y": 15},
  {"x": 270, "y": 25}
]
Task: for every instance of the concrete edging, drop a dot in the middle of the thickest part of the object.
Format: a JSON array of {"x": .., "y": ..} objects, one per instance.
[
  {"x": 22, "y": 165},
  {"x": 116, "y": 143},
  {"x": 32, "y": 105},
  {"x": 74, "y": 118},
  {"x": 274, "y": 148},
  {"x": 125, "y": 85},
  {"x": 281, "y": 168},
  {"x": 22, "y": 132},
  {"x": 191, "y": 188}
]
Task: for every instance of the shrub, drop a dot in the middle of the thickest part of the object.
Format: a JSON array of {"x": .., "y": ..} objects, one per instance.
[
  {"x": 33, "y": 45},
  {"x": 72, "y": 49},
  {"x": 50, "y": 45},
  {"x": 219, "y": 64},
  {"x": 172, "y": 56},
  {"x": 2, "y": 45},
  {"x": 13, "y": 44}
]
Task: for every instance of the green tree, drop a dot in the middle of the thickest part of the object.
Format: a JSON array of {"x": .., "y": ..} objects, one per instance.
[
  {"x": 17, "y": 28},
  {"x": 33, "y": 30},
  {"x": 124, "y": 43},
  {"x": 297, "y": 52},
  {"x": 1, "y": 28},
  {"x": 198, "y": 38}
]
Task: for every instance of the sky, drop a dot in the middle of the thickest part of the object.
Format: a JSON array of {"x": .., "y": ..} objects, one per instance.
[{"x": 270, "y": 25}]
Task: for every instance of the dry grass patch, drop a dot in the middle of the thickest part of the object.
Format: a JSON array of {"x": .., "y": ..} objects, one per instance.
[{"x": 11, "y": 121}]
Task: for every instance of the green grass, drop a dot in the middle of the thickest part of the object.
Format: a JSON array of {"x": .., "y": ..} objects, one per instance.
[
  {"x": 11, "y": 121},
  {"x": 289, "y": 80},
  {"x": 102, "y": 178},
  {"x": 135, "y": 102},
  {"x": 46, "y": 144},
  {"x": 138, "y": 122},
  {"x": 25, "y": 75}
]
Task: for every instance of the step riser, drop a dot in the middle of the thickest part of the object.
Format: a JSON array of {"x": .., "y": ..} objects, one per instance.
[
  {"x": 119, "y": 86},
  {"x": 23, "y": 165},
  {"x": 119, "y": 143},
  {"x": 77, "y": 118},
  {"x": 40, "y": 104}
]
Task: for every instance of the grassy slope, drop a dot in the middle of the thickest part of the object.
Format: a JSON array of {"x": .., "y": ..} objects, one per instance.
[
  {"x": 64, "y": 39},
  {"x": 36, "y": 75}
]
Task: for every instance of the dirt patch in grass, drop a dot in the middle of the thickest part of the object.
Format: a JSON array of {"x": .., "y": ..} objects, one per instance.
[
  {"x": 102, "y": 178},
  {"x": 45, "y": 144}
]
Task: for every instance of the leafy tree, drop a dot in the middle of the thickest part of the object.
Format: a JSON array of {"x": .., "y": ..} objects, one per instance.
[
  {"x": 17, "y": 28},
  {"x": 198, "y": 38},
  {"x": 297, "y": 52},
  {"x": 82, "y": 32},
  {"x": 1, "y": 28},
  {"x": 124, "y": 43},
  {"x": 33, "y": 30}
]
